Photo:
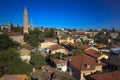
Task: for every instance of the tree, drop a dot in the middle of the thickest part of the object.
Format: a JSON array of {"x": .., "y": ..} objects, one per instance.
[
  {"x": 34, "y": 37},
  {"x": 16, "y": 28},
  {"x": 78, "y": 49},
  {"x": 101, "y": 38},
  {"x": 50, "y": 34},
  {"x": 5, "y": 42},
  {"x": 37, "y": 60},
  {"x": 10, "y": 61},
  {"x": 33, "y": 40},
  {"x": 49, "y": 57}
]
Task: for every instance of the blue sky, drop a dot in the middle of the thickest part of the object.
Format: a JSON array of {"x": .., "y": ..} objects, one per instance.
[{"x": 81, "y": 14}]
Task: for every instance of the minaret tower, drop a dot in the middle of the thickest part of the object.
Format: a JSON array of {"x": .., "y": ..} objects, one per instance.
[
  {"x": 25, "y": 27},
  {"x": 31, "y": 25},
  {"x": 9, "y": 27}
]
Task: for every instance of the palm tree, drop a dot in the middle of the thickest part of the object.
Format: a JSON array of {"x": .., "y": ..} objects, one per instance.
[{"x": 77, "y": 50}]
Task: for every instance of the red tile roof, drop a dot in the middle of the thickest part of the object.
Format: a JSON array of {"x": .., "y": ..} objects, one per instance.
[
  {"x": 84, "y": 46},
  {"x": 107, "y": 76},
  {"x": 50, "y": 40},
  {"x": 67, "y": 58},
  {"x": 80, "y": 62},
  {"x": 93, "y": 53},
  {"x": 56, "y": 47},
  {"x": 56, "y": 61},
  {"x": 14, "y": 77},
  {"x": 99, "y": 45}
]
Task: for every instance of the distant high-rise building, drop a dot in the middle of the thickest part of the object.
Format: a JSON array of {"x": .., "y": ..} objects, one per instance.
[{"x": 25, "y": 27}]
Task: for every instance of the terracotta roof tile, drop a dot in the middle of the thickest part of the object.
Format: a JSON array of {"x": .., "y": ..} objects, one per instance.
[
  {"x": 99, "y": 45},
  {"x": 106, "y": 76},
  {"x": 93, "y": 53},
  {"x": 50, "y": 40},
  {"x": 67, "y": 58},
  {"x": 56, "y": 47},
  {"x": 84, "y": 46},
  {"x": 56, "y": 61},
  {"x": 80, "y": 62},
  {"x": 14, "y": 77}
]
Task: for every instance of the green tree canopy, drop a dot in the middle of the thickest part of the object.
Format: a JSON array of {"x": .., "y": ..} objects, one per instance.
[
  {"x": 38, "y": 36},
  {"x": 5, "y": 42},
  {"x": 102, "y": 38},
  {"x": 37, "y": 60},
  {"x": 10, "y": 61},
  {"x": 78, "y": 49}
]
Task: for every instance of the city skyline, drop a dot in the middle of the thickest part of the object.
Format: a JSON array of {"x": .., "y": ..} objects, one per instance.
[{"x": 81, "y": 14}]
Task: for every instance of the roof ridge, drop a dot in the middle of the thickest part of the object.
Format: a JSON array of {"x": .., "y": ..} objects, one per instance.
[{"x": 82, "y": 61}]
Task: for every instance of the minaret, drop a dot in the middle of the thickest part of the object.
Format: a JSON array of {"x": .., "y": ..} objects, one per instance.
[
  {"x": 9, "y": 27},
  {"x": 25, "y": 28},
  {"x": 31, "y": 25}
]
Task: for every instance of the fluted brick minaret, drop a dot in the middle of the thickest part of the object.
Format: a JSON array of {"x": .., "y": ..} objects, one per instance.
[{"x": 25, "y": 27}]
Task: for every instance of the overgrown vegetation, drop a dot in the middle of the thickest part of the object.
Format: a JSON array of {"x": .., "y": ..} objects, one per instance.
[
  {"x": 37, "y": 60},
  {"x": 10, "y": 61},
  {"x": 38, "y": 36}
]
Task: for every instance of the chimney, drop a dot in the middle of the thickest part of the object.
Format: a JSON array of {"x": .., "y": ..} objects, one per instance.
[
  {"x": 98, "y": 61},
  {"x": 101, "y": 52},
  {"x": 87, "y": 66}
]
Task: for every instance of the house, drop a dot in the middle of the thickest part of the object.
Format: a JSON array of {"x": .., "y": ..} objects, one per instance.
[
  {"x": 111, "y": 46},
  {"x": 14, "y": 77},
  {"x": 93, "y": 52},
  {"x": 60, "y": 64},
  {"x": 66, "y": 39},
  {"x": 84, "y": 46},
  {"x": 87, "y": 47},
  {"x": 4, "y": 27},
  {"x": 113, "y": 62},
  {"x": 16, "y": 36},
  {"x": 58, "y": 48},
  {"x": 114, "y": 75},
  {"x": 114, "y": 35},
  {"x": 83, "y": 65},
  {"x": 96, "y": 54},
  {"x": 47, "y": 43},
  {"x": 92, "y": 48},
  {"x": 92, "y": 33},
  {"x": 100, "y": 46},
  {"x": 25, "y": 54},
  {"x": 88, "y": 40},
  {"x": 87, "y": 63},
  {"x": 80, "y": 34}
]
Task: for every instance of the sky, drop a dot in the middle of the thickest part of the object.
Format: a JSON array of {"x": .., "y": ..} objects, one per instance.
[{"x": 78, "y": 14}]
